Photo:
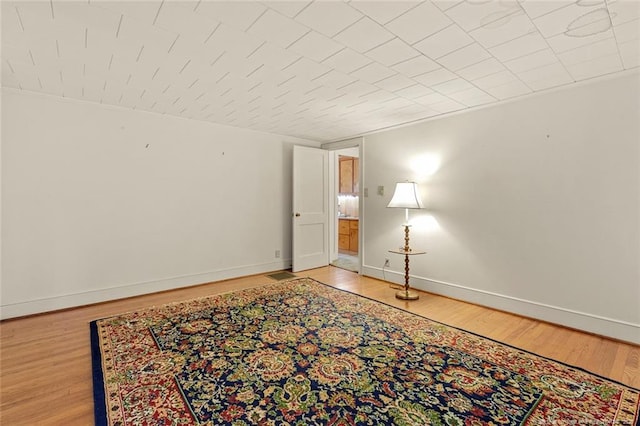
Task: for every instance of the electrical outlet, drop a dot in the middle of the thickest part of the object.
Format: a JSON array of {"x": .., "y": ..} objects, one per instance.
[
  {"x": 386, "y": 263},
  {"x": 277, "y": 254}
]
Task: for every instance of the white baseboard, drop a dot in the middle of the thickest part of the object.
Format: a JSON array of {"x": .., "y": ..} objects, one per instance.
[
  {"x": 48, "y": 304},
  {"x": 591, "y": 323}
]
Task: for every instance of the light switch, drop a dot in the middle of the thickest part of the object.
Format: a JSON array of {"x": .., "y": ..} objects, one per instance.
[
  {"x": 366, "y": 192},
  {"x": 381, "y": 190}
]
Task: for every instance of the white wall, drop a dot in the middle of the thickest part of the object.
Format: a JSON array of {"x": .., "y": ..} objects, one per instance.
[
  {"x": 534, "y": 207},
  {"x": 91, "y": 213}
]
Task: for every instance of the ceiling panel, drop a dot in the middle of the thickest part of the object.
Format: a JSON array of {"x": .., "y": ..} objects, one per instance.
[
  {"x": 322, "y": 70},
  {"x": 275, "y": 28},
  {"x": 443, "y": 42},
  {"x": 471, "y": 15},
  {"x": 347, "y": 60},
  {"x": 315, "y": 46},
  {"x": 419, "y": 23},
  {"x": 509, "y": 27},
  {"x": 392, "y": 52},
  {"x": 480, "y": 69},
  {"x": 464, "y": 57},
  {"x": 364, "y": 35},
  {"x": 518, "y": 47},
  {"x": 327, "y": 17},
  {"x": 384, "y": 11},
  {"x": 416, "y": 66}
]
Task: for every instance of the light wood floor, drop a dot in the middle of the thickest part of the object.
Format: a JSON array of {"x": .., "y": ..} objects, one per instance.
[{"x": 45, "y": 360}]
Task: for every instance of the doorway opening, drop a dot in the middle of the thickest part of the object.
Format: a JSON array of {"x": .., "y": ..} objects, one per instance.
[{"x": 347, "y": 198}]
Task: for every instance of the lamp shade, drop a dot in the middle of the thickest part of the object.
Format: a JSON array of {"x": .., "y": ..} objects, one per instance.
[{"x": 406, "y": 196}]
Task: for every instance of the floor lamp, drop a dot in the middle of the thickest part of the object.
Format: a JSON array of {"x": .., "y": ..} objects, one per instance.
[{"x": 406, "y": 196}]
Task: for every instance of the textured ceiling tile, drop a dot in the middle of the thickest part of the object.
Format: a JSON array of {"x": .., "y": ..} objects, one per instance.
[
  {"x": 589, "y": 52},
  {"x": 472, "y": 97},
  {"x": 180, "y": 18},
  {"x": 395, "y": 82},
  {"x": 446, "y": 4},
  {"x": 418, "y": 23},
  {"x": 538, "y": 8},
  {"x": 448, "y": 105},
  {"x": 225, "y": 62},
  {"x": 468, "y": 55},
  {"x": 277, "y": 29},
  {"x": 359, "y": 88},
  {"x": 509, "y": 90},
  {"x": 135, "y": 32},
  {"x": 288, "y": 8},
  {"x": 414, "y": 92},
  {"x": 316, "y": 46},
  {"x": 532, "y": 61},
  {"x": 628, "y": 31},
  {"x": 238, "y": 14},
  {"x": 363, "y": 35},
  {"x": 481, "y": 69},
  {"x": 562, "y": 42},
  {"x": 274, "y": 57},
  {"x": 432, "y": 78},
  {"x": 472, "y": 15},
  {"x": 630, "y": 54},
  {"x": 372, "y": 73},
  {"x": 334, "y": 79},
  {"x": 384, "y": 11},
  {"x": 398, "y": 103},
  {"x": 576, "y": 17},
  {"x": 11, "y": 21},
  {"x": 493, "y": 80},
  {"x": 327, "y": 17},
  {"x": 379, "y": 97},
  {"x": 306, "y": 69},
  {"x": 508, "y": 28},
  {"x": 392, "y": 52},
  {"x": 452, "y": 86},
  {"x": 143, "y": 11},
  {"x": 15, "y": 54},
  {"x": 416, "y": 66},
  {"x": 531, "y": 42},
  {"x": 85, "y": 15},
  {"x": 235, "y": 43},
  {"x": 443, "y": 42},
  {"x": 623, "y": 11},
  {"x": 347, "y": 60},
  {"x": 545, "y": 77},
  {"x": 594, "y": 67}
]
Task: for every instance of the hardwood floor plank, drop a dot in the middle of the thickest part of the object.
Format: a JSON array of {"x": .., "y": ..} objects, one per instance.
[{"x": 45, "y": 360}]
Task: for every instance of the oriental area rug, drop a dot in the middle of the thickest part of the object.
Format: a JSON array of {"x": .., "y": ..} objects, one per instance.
[{"x": 300, "y": 352}]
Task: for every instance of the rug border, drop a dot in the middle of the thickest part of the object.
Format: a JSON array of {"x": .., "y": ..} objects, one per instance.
[{"x": 99, "y": 399}]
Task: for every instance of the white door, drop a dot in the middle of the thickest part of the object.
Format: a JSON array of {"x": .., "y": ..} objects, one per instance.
[{"x": 310, "y": 208}]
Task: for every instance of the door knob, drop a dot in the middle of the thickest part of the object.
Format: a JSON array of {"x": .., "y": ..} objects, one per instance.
[{"x": 297, "y": 214}]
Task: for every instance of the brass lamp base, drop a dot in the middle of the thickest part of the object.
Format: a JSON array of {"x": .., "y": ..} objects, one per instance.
[{"x": 407, "y": 295}]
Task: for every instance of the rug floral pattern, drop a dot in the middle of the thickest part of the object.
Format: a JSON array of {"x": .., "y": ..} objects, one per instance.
[{"x": 304, "y": 353}]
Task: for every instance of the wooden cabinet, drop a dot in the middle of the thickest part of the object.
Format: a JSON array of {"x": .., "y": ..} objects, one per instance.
[
  {"x": 348, "y": 234},
  {"x": 349, "y": 171},
  {"x": 353, "y": 235}
]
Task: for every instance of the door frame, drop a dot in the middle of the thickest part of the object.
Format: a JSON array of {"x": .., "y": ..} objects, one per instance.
[{"x": 334, "y": 149}]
